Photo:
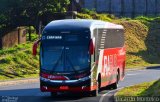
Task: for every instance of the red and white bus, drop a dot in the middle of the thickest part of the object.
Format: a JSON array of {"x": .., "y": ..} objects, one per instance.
[{"x": 81, "y": 56}]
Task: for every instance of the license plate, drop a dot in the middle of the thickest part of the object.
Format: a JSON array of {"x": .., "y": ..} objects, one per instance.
[{"x": 64, "y": 87}]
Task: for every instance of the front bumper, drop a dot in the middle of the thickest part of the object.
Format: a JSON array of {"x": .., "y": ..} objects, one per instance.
[{"x": 82, "y": 84}]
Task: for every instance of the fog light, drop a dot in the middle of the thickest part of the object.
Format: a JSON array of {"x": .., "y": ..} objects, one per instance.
[
  {"x": 83, "y": 87},
  {"x": 45, "y": 87}
]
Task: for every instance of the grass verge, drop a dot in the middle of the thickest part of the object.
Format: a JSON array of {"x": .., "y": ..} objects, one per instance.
[
  {"x": 17, "y": 62},
  {"x": 143, "y": 89}
]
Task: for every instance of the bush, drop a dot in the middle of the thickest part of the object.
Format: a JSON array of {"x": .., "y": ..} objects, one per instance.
[
  {"x": 104, "y": 17},
  {"x": 3, "y": 19},
  {"x": 144, "y": 18},
  {"x": 86, "y": 11},
  {"x": 6, "y": 60},
  {"x": 157, "y": 19},
  {"x": 84, "y": 16}
]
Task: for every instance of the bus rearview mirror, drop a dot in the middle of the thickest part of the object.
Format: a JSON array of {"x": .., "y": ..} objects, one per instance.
[
  {"x": 91, "y": 47},
  {"x": 35, "y": 46}
]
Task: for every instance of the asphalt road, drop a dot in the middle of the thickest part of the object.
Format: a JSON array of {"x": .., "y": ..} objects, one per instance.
[{"x": 31, "y": 93}]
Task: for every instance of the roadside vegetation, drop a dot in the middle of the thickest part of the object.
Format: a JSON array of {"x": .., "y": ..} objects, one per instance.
[
  {"x": 141, "y": 37},
  {"x": 17, "y": 62},
  {"x": 143, "y": 89}
]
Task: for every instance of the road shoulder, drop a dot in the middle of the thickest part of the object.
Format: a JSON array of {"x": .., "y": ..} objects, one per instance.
[{"x": 19, "y": 81}]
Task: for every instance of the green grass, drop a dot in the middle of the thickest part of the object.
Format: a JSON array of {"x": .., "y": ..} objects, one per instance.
[
  {"x": 141, "y": 42},
  {"x": 18, "y": 62},
  {"x": 96, "y": 16},
  {"x": 143, "y": 89}
]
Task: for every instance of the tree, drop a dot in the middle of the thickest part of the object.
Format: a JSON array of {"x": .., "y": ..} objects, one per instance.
[
  {"x": 9, "y": 14},
  {"x": 34, "y": 9},
  {"x": 29, "y": 12},
  {"x": 11, "y": 11}
]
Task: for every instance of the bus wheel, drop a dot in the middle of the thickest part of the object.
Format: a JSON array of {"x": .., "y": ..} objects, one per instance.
[
  {"x": 95, "y": 92},
  {"x": 53, "y": 94},
  {"x": 115, "y": 85}
]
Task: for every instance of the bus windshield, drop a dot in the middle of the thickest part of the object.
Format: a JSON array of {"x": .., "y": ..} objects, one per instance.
[{"x": 65, "y": 55}]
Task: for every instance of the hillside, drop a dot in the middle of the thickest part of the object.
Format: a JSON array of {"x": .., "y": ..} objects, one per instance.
[
  {"x": 141, "y": 38},
  {"x": 18, "y": 62},
  {"x": 142, "y": 42}
]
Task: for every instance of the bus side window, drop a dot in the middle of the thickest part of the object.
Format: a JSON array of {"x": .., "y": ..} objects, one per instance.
[
  {"x": 95, "y": 46},
  {"x": 115, "y": 38}
]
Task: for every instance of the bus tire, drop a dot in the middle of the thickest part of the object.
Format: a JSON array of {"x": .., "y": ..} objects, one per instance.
[
  {"x": 53, "y": 94},
  {"x": 95, "y": 92},
  {"x": 115, "y": 85}
]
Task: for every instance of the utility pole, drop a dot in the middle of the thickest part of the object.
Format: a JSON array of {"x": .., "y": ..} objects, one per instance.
[{"x": 40, "y": 29}]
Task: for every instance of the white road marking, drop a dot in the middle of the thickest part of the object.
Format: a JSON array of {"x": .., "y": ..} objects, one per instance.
[
  {"x": 102, "y": 97},
  {"x": 43, "y": 94},
  {"x": 132, "y": 74}
]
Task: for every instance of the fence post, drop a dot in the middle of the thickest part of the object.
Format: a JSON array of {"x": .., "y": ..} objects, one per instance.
[{"x": 18, "y": 35}]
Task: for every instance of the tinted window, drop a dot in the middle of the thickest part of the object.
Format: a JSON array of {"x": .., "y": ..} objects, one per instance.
[
  {"x": 66, "y": 53},
  {"x": 114, "y": 38},
  {"x": 108, "y": 38},
  {"x": 71, "y": 38}
]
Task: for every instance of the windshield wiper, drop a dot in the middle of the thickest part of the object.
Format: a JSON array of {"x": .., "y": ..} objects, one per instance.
[
  {"x": 57, "y": 61},
  {"x": 72, "y": 66}
]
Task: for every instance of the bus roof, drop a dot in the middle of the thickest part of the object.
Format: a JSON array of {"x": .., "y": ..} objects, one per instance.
[{"x": 81, "y": 23}]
